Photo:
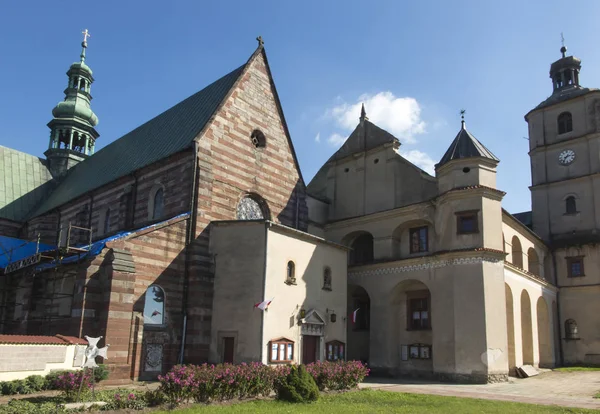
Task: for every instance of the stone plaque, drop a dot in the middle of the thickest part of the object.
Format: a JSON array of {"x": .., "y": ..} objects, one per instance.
[{"x": 154, "y": 357}]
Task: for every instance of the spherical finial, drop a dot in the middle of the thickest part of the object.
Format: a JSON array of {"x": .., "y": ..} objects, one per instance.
[
  {"x": 563, "y": 50},
  {"x": 462, "y": 118}
]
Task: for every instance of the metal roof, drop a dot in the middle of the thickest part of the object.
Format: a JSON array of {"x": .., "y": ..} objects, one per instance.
[
  {"x": 168, "y": 133},
  {"x": 24, "y": 181},
  {"x": 465, "y": 145}
]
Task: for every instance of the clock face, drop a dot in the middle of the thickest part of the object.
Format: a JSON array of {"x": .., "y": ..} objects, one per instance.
[{"x": 566, "y": 157}]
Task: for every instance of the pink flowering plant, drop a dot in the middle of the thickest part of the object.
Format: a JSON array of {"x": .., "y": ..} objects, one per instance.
[
  {"x": 205, "y": 383},
  {"x": 339, "y": 375},
  {"x": 69, "y": 383}
]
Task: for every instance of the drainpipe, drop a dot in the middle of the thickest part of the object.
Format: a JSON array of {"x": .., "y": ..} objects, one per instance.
[{"x": 189, "y": 238}]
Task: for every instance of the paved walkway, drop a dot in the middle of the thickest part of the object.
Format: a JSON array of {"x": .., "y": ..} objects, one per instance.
[{"x": 567, "y": 389}]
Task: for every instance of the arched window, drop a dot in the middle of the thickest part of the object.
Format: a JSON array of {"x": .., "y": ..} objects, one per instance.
[
  {"x": 291, "y": 273},
  {"x": 517, "y": 252},
  {"x": 362, "y": 250},
  {"x": 570, "y": 205},
  {"x": 159, "y": 204},
  {"x": 533, "y": 262},
  {"x": 327, "y": 279},
  {"x": 571, "y": 330},
  {"x": 565, "y": 123},
  {"x": 154, "y": 306},
  {"x": 82, "y": 85},
  {"x": 106, "y": 227},
  {"x": 258, "y": 139},
  {"x": 249, "y": 208}
]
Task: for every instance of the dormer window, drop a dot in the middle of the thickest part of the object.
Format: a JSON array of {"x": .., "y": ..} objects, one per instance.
[{"x": 565, "y": 123}]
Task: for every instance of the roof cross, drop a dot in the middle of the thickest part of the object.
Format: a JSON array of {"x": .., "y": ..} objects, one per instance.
[
  {"x": 261, "y": 42},
  {"x": 86, "y": 34}
]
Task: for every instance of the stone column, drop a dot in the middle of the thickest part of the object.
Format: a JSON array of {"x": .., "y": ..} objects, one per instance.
[
  {"x": 71, "y": 139},
  {"x": 85, "y": 148}
]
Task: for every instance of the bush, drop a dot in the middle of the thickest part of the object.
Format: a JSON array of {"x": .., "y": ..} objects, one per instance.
[
  {"x": 339, "y": 375},
  {"x": 36, "y": 383},
  {"x": 70, "y": 382},
  {"x": 26, "y": 407},
  {"x": 101, "y": 373},
  {"x": 9, "y": 388},
  {"x": 298, "y": 387},
  {"x": 125, "y": 399}
]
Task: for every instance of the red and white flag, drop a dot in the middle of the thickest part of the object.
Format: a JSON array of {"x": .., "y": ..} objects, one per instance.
[
  {"x": 354, "y": 315},
  {"x": 263, "y": 305}
]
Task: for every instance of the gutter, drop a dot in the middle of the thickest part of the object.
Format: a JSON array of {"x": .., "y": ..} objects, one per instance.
[{"x": 189, "y": 238}]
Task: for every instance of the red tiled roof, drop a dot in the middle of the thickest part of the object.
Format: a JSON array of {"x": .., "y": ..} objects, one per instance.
[{"x": 41, "y": 340}]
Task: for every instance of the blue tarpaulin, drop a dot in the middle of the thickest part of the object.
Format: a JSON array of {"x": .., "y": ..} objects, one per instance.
[
  {"x": 12, "y": 250},
  {"x": 27, "y": 249}
]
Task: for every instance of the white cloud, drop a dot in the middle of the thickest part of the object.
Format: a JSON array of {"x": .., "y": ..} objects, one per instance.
[
  {"x": 399, "y": 116},
  {"x": 336, "y": 140},
  {"x": 318, "y": 137},
  {"x": 420, "y": 159}
]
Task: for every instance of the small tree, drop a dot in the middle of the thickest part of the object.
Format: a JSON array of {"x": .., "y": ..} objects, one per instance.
[{"x": 298, "y": 386}]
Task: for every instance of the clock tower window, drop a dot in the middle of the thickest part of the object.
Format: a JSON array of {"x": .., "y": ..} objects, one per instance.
[
  {"x": 565, "y": 123},
  {"x": 570, "y": 205}
]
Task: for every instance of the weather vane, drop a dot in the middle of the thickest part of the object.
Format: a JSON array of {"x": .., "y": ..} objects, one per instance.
[
  {"x": 86, "y": 34},
  {"x": 562, "y": 39},
  {"x": 462, "y": 114}
]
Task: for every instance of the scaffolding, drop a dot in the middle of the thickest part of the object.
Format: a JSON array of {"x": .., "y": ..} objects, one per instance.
[{"x": 46, "y": 266}]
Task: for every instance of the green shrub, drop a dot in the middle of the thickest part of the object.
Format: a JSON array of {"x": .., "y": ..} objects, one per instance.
[
  {"x": 125, "y": 399},
  {"x": 23, "y": 387},
  {"x": 9, "y": 388},
  {"x": 36, "y": 383},
  {"x": 101, "y": 373},
  {"x": 298, "y": 387},
  {"x": 155, "y": 398},
  {"x": 26, "y": 407}
]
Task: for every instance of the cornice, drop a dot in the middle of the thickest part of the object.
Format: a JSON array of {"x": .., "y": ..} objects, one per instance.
[
  {"x": 551, "y": 183},
  {"x": 564, "y": 142},
  {"x": 434, "y": 261},
  {"x": 461, "y": 192},
  {"x": 528, "y": 275}
]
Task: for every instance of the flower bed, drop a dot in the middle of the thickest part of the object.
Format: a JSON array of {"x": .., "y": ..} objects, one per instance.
[{"x": 203, "y": 383}]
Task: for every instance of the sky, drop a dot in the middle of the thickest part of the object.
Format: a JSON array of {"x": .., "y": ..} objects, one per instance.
[{"x": 414, "y": 64}]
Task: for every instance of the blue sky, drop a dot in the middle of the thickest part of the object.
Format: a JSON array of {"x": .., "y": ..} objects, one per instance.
[{"x": 416, "y": 64}]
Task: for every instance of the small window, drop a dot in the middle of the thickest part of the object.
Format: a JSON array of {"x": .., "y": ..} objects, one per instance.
[
  {"x": 106, "y": 227},
  {"x": 335, "y": 350},
  {"x": 282, "y": 351},
  {"x": 420, "y": 351},
  {"x": 327, "y": 279},
  {"x": 251, "y": 208},
  {"x": 418, "y": 240},
  {"x": 291, "y": 273},
  {"x": 570, "y": 205},
  {"x": 154, "y": 306},
  {"x": 126, "y": 210},
  {"x": 571, "y": 330},
  {"x": 466, "y": 222},
  {"x": 565, "y": 123},
  {"x": 158, "y": 204},
  {"x": 418, "y": 314},
  {"x": 575, "y": 266},
  {"x": 258, "y": 139}
]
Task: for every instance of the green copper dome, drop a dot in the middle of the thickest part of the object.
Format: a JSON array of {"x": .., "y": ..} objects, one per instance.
[
  {"x": 75, "y": 108},
  {"x": 80, "y": 67}
]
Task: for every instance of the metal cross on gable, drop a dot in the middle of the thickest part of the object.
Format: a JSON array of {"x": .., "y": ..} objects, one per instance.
[{"x": 86, "y": 34}]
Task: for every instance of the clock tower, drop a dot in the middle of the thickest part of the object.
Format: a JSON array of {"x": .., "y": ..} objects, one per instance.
[{"x": 564, "y": 141}]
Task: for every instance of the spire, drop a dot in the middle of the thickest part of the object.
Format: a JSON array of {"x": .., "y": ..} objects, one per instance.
[
  {"x": 465, "y": 145},
  {"x": 363, "y": 114},
  {"x": 73, "y": 136}
]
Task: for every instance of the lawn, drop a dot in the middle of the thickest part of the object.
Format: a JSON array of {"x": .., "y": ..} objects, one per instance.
[
  {"x": 369, "y": 401},
  {"x": 576, "y": 369}
]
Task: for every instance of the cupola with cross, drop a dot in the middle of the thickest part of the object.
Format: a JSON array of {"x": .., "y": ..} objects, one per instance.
[{"x": 72, "y": 129}]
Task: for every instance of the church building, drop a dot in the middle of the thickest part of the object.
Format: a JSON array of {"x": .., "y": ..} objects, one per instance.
[{"x": 194, "y": 238}]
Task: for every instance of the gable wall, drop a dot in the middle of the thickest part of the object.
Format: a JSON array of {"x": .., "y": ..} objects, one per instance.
[{"x": 231, "y": 167}]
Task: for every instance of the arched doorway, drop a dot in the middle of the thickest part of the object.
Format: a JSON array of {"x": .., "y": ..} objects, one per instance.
[
  {"x": 359, "y": 324},
  {"x": 411, "y": 327},
  {"x": 544, "y": 339},
  {"x": 526, "y": 328},
  {"x": 361, "y": 248},
  {"x": 517, "y": 252},
  {"x": 533, "y": 262},
  {"x": 510, "y": 327}
]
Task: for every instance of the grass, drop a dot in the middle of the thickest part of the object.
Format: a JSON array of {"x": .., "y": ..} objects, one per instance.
[
  {"x": 370, "y": 401},
  {"x": 576, "y": 369}
]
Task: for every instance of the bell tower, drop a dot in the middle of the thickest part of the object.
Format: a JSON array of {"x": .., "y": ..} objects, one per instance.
[{"x": 72, "y": 129}]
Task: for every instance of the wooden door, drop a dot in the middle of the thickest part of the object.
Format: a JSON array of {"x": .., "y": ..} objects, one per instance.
[
  {"x": 228, "y": 349},
  {"x": 309, "y": 349}
]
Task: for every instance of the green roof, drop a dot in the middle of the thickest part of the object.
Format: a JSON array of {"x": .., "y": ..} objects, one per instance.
[
  {"x": 170, "y": 132},
  {"x": 24, "y": 182}
]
